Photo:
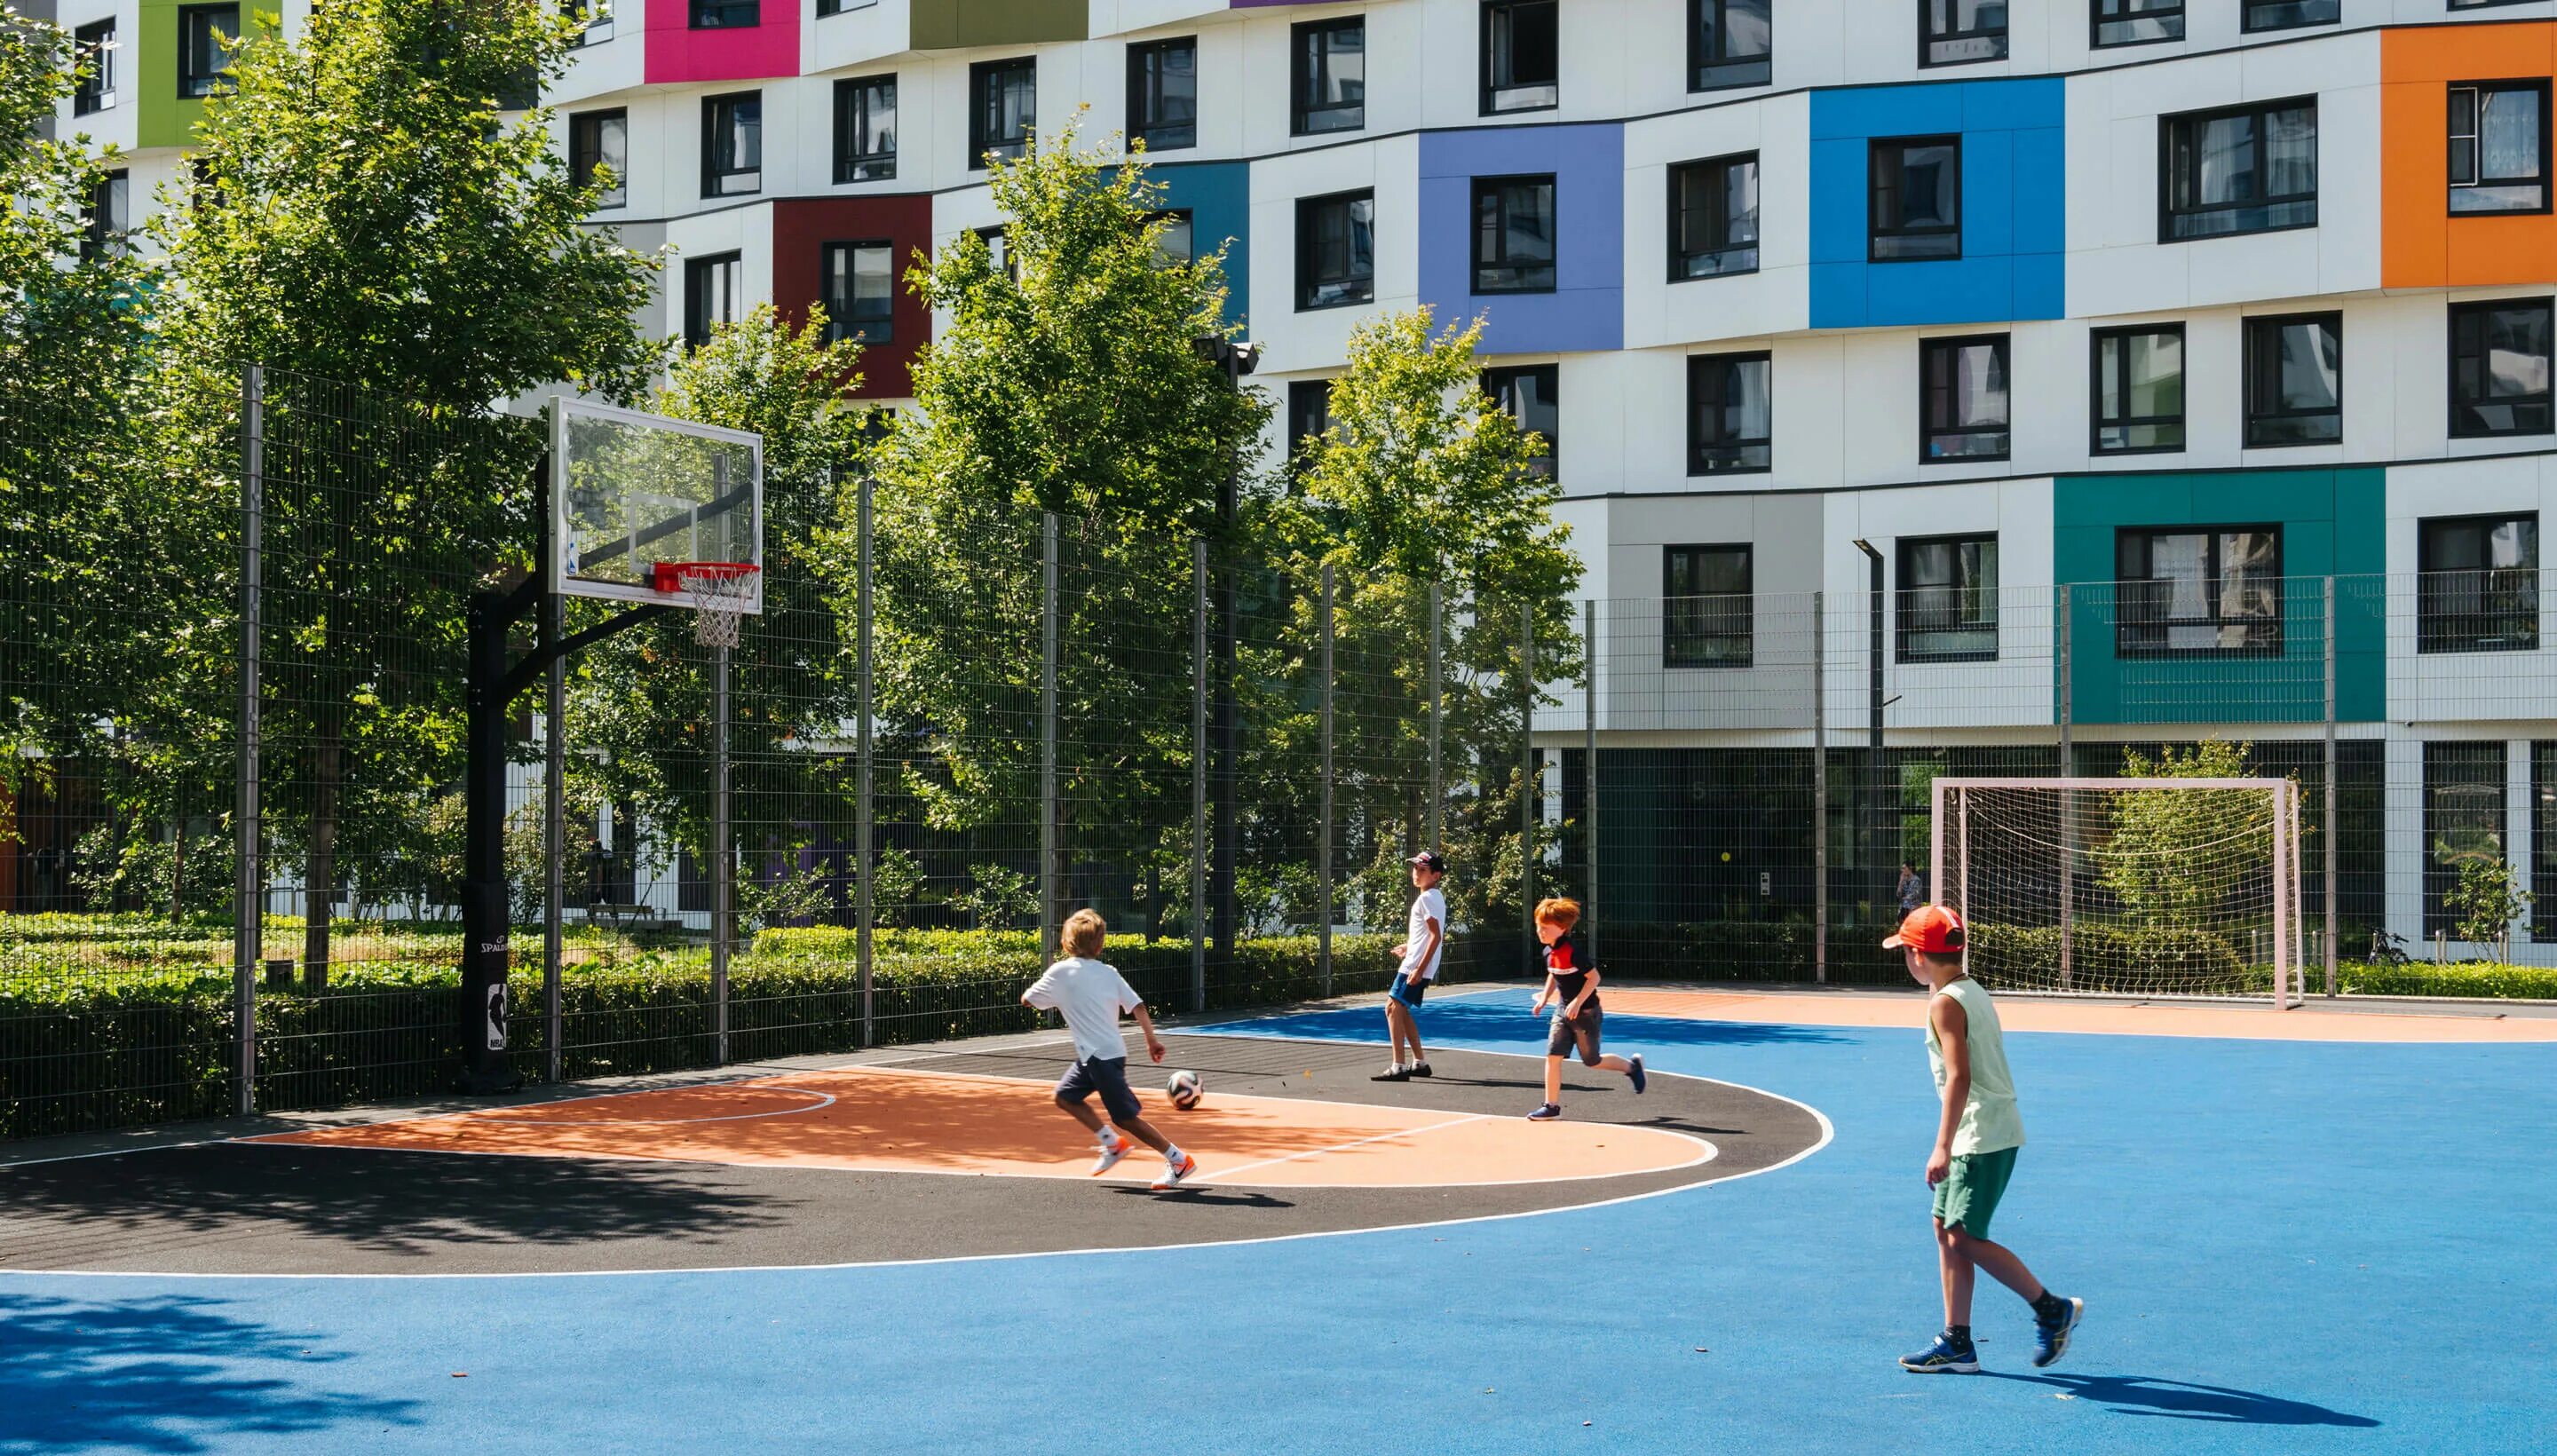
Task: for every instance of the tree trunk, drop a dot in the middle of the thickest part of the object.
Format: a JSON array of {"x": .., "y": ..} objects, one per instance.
[
  {"x": 178, "y": 869},
  {"x": 319, "y": 871}
]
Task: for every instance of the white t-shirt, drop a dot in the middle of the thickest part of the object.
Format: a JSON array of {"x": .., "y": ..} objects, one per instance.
[
  {"x": 1090, "y": 995},
  {"x": 1426, "y": 906}
]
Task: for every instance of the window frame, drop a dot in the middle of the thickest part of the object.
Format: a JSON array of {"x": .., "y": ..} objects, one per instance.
[
  {"x": 1874, "y": 231},
  {"x": 2253, "y": 325},
  {"x": 218, "y": 83},
  {"x": 697, "y": 269},
  {"x": 1698, "y": 369},
  {"x": 2434, "y": 636},
  {"x": 2213, "y": 571},
  {"x": 2096, "y": 20},
  {"x": 2097, "y": 422},
  {"x": 718, "y": 14},
  {"x": 100, "y": 234},
  {"x": 1187, "y": 217},
  {"x": 2438, "y": 878},
  {"x": 842, "y": 326},
  {"x": 1677, "y": 171},
  {"x": 2250, "y": 25},
  {"x": 1490, "y": 91},
  {"x": 581, "y": 165},
  {"x": 715, "y": 177},
  {"x": 2262, "y": 114},
  {"x": 1490, "y": 383},
  {"x": 2546, "y": 398},
  {"x": 1492, "y": 189},
  {"x": 2539, "y": 88},
  {"x": 851, "y": 121},
  {"x": 1299, "y": 416},
  {"x": 1903, "y": 633},
  {"x": 1300, "y": 115},
  {"x": 594, "y": 20},
  {"x": 1747, "y": 636},
  {"x": 1927, "y": 41},
  {"x": 1929, "y": 431},
  {"x": 1306, "y": 279},
  {"x": 1697, "y": 60},
  {"x": 980, "y": 95},
  {"x": 1139, "y": 51},
  {"x": 93, "y": 45}
]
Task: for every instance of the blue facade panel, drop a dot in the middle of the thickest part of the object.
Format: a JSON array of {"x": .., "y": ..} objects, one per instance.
[
  {"x": 1218, "y": 197},
  {"x": 2012, "y": 215},
  {"x": 1586, "y": 310}
]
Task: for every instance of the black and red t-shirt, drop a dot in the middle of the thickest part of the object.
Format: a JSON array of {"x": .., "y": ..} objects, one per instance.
[{"x": 1568, "y": 963}]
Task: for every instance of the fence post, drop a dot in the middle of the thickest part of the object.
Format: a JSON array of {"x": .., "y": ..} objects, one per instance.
[
  {"x": 1324, "y": 832},
  {"x": 1198, "y": 775},
  {"x": 2065, "y": 662},
  {"x": 1528, "y": 785},
  {"x": 1437, "y": 797},
  {"x": 554, "y": 835},
  {"x": 2328, "y": 851},
  {"x": 866, "y": 913},
  {"x": 248, "y": 894},
  {"x": 1047, "y": 737},
  {"x": 723, "y": 858},
  {"x": 1821, "y": 790},
  {"x": 1589, "y": 765}
]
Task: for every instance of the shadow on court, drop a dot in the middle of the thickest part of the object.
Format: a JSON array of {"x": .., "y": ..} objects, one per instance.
[
  {"x": 1502, "y": 1020},
  {"x": 170, "y": 1374},
  {"x": 2181, "y": 1401}
]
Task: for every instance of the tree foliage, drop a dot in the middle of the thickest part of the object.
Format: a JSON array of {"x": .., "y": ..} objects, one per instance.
[{"x": 2169, "y": 858}]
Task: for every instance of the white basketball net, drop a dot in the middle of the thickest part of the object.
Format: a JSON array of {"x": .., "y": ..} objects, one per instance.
[{"x": 719, "y": 600}]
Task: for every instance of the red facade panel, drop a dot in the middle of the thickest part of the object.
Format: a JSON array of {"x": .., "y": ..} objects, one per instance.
[{"x": 801, "y": 228}]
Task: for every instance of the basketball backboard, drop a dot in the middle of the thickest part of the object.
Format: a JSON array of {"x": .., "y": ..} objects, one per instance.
[{"x": 630, "y": 490}]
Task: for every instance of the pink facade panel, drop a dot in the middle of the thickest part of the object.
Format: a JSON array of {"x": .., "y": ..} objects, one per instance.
[{"x": 733, "y": 53}]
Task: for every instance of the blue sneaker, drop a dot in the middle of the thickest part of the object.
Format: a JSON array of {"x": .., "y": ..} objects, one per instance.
[
  {"x": 1546, "y": 1111},
  {"x": 1946, "y": 1355},
  {"x": 2051, "y": 1336},
  {"x": 1634, "y": 1069}
]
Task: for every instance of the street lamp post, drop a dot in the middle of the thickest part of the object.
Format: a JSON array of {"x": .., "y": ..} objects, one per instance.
[
  {"x": 1885, "y": 864},
  {"x": 1236, "y": 360}
]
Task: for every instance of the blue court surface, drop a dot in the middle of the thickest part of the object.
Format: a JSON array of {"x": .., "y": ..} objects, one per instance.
[{"x": 2284, "y": 1248}]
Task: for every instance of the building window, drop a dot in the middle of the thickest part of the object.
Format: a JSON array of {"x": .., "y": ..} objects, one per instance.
[
  {"x": 599, "y": 151},
  {"x": 2294, "y": 380},
  {"x": 2479, "y": 585},
  {"x": 1175, "y": 244},
  {"x": 2544, "y": 841},
  {"x": 865, "y": 129},
  {"x": 1003, "y": 108},
  {"x": 2500, "y": 147},
  {"x": 711, "y": 287},
  {"x": 2136, "y": 22},
  {"x": 2283, "y": 15},
  {"x": 727, "y": 15},
  {"x": 1917, "y": 199},
  {"x": 109, "y": 215},
  {"x": 998, "y": 252},
  {"x": 1729, "y": 414},
  {"x": 1163, "y": 94},
  {"x": 2186, "y": 590},
  {"x": 2139, "y": 389},
  {"x": 1713, "y": 217},
  {"x": 1959, "y": 32},
  {"x": 2464, "y": 799},
  {"x": 1336, "y": 250},
  {"x": 860, "y": 290},
  {"x": 2250, "y": 170},
  {"x": 842, "y": 7},
  {"x": 2500, "y": 366},
  {"x": 1963, "y": 409},
  {"x": 594, "y": 20},
  {"x": 1514, "y": 234},
  {"x": 733, "y": 145},
  {"x": 1520, "y": 56},
  {"x": 1729, "y": 43},
  {"x": 1532, "y": 395},
  {"x": 1947, "y": 610},
  {"x": 1705, "y": 607},
  {"x": 206, "y": 40},
  {"x": 95, "y": 90},
  {"x": 1310, "y": 416},
  {"x": 1328, "y": 76}
]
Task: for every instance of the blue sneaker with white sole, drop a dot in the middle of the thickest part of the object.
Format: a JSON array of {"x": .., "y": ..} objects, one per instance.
[
  {"x": 1634, "y": 1070},
  {"x": 2051, "y": 1331},
  {"x": 1950, "y": 1355}
]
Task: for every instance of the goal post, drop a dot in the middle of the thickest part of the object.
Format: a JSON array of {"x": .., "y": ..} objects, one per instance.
[{"x": 2124, "y": 886}]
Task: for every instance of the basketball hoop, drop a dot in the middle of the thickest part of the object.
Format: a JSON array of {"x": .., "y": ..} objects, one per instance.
[{"x": 719, "y": 592}]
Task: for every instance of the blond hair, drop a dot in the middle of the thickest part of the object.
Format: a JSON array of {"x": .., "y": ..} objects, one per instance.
[
  {"x": 1558, "y": 911},
  {"x": 1083, "y": 933}
]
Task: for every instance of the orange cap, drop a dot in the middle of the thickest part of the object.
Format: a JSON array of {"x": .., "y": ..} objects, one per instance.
[{"x": 1935, "y": 929}]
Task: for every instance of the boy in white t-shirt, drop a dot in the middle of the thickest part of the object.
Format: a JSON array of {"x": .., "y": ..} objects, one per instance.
[
  {"x": 1425, "y": 939},
  {"x": 1090, "y": 994}
]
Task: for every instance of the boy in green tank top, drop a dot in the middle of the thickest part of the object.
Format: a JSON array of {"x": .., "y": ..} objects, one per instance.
[{"x": 1978, "y": 1137}]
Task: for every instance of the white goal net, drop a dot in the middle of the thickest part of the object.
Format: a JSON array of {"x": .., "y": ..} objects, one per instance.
[{"x": 2124, "y": 886}]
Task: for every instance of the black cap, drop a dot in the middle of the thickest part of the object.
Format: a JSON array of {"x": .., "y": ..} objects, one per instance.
[{"x": 1428, "y": 859}]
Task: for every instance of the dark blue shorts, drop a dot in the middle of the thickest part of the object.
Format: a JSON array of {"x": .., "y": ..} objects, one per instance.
[
  {"x": 1408, "y": 990},
  {"x": 1107, "y": 1076}
]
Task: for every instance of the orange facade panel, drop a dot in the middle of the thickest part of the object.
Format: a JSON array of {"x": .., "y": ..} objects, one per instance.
[{"x": 2422, "y": 243}]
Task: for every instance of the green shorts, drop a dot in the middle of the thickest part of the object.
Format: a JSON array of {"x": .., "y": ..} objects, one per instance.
[{"x": 1968, "y": 1196}]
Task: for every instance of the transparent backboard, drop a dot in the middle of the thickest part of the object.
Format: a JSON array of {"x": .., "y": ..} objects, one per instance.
[{"x": 630, "y": 490}]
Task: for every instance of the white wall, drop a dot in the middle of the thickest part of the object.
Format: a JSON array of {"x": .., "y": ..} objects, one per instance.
[{"x": 1297, "y": 341}]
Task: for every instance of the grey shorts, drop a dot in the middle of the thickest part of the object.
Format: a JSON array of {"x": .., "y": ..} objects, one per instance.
[
  {"x": 1107, "y": 1076},
  {"x": 1582, "y": 1031}
]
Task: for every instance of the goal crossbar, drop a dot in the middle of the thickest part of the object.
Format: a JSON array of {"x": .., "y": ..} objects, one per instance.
[{"x": 2182, "y": 938}]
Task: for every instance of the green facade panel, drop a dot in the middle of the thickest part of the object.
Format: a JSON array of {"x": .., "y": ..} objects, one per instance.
[
  {"x": 944, "y": 25},
  {"x": 164, "y": 118},
  {"x": 2332, "y": 522}
]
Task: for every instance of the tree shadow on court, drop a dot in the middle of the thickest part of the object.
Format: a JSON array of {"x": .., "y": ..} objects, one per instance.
[
  {"x": 171, "y": 1373},
  {"x": 2183, "y": 1400},
  {"x": 92, "y": 1212},
  {"x": 1489, "y": 1020}
]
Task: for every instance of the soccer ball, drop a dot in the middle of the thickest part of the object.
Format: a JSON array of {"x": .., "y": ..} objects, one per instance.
[{"x": 1184, "y": 1090}]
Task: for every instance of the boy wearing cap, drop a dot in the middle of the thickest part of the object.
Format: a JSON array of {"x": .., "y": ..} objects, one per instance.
[
  {"x": 1978, "y": 1136},
  {"x": 1425, "y": 938}
]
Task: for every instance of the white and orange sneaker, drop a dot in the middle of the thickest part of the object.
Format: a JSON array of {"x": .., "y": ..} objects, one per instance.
[
  {"x": 1175, "y": 1172},
  {"x": 1111, "y": 1150}
]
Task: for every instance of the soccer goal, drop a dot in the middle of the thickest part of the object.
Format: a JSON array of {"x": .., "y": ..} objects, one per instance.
[{"x": 2125, "y": 886}]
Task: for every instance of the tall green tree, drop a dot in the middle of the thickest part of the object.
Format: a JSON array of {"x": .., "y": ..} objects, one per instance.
[
  {"x": 2173, "y": 859},
  {"x": 367, "y": 221}
]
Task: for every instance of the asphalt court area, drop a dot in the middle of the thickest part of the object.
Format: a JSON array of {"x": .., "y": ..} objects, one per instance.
[{"x": 938, "y": 1156}]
